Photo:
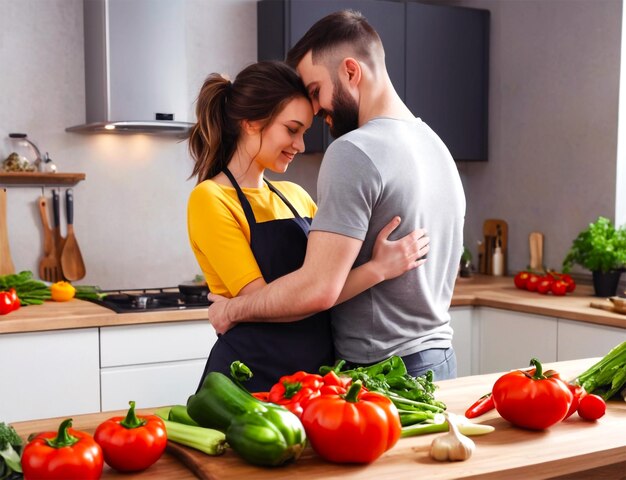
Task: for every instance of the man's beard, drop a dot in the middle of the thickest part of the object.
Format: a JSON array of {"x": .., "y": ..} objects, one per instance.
[{"x": 345, "y": 114}]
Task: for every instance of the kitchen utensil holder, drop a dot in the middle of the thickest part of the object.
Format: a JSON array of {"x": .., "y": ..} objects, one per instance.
[{"x": 494, "y": 230}]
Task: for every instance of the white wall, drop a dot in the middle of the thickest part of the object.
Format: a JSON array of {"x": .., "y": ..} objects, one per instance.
[{"x": 130, "y": 212}]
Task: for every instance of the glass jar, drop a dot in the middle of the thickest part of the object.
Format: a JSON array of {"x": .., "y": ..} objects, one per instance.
[{"x": 24, "y": 155}]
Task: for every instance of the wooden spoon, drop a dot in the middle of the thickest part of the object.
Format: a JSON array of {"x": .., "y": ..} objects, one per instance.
[
  {"x": 49, "y": 267},
  {"x": 71, "y": 258},
  {"x": 6, "y": 263},
  {"x": 536, "y": 250}
]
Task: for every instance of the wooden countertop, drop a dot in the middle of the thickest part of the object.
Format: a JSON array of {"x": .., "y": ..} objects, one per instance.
[
  {"x": 83, "y": 314},
  {"x": 500, "y": 292},
  {"x": 589, "y": 448},
  {"x": 480, "y": 290}
]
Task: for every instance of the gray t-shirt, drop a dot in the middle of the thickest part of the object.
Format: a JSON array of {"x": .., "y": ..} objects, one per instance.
[{"x": 384, "y": 168}]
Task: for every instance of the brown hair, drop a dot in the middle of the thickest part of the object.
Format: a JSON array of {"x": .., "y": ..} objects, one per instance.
[
  {"x": 346, "y": 27},
  {"x": 259, "y": 92}
]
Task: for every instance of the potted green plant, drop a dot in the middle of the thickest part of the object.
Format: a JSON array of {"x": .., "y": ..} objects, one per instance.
[{"x": 600, "y": 248}]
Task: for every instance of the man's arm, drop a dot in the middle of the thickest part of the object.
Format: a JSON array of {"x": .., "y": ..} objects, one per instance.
[{"x": 314, "y": 287}]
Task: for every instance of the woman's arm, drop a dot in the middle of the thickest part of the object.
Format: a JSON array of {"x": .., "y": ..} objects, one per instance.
[
  {"x": 252, "y": 287},
  {"x": 390, "y": 259}
]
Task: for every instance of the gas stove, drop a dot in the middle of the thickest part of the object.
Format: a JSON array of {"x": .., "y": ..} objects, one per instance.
[{"x": 151, "y": 299}]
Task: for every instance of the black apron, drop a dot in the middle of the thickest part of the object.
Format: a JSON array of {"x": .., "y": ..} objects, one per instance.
[{"x": 272, "y": 350}]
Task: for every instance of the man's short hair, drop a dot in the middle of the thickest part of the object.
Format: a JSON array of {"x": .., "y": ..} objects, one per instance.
[{"x": 348, "y": 29}]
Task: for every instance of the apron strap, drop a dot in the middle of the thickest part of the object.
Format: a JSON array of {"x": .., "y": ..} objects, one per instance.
[
  {"x": 282, "y": 197},
  {"x": 245, "y": 204},
  {"x": 247, "y": 208}
]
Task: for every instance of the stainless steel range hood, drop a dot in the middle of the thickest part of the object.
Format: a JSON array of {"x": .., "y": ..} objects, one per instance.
[{"x": 135, "y": 67}]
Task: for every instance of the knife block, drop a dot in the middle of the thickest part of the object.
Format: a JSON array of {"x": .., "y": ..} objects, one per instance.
[{"x": 491, "y": 227}]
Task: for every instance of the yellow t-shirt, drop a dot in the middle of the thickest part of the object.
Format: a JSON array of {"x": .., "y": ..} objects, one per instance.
[{"x": 220, "y": 235}]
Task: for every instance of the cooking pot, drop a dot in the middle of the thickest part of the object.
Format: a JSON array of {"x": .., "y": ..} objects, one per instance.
[{"x": 194, "y": 289}]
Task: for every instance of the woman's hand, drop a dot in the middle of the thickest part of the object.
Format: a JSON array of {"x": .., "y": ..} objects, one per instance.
[{"x": 392, "y": 258}]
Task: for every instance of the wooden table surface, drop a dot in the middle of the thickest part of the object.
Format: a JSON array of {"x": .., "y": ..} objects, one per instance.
[{"x": 561, "y": 451}]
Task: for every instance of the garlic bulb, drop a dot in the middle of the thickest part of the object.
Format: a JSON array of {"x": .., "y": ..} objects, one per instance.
[{"x": 453, "y": 446}]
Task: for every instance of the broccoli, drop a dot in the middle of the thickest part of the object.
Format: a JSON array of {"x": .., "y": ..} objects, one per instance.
[{"x": 10, "y": 450}]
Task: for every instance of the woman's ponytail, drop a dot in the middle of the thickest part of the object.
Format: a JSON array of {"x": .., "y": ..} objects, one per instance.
[{"x": 212, "y": 138}]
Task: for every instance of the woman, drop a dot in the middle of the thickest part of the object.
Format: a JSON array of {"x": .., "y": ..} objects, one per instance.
[{"x": 246, "y": 232}]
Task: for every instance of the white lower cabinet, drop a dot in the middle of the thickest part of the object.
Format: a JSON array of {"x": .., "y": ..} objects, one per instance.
[
  {"x": 508, "y": 340},
  {"x": 465, "y": 335},
  {"x": 49, "y": 374},
  {"x": 488, "y": 340},
  {"x": 153, "y": 364},
  {"x": 152, "y": 385},
  {"x": 586, "y": 340}
]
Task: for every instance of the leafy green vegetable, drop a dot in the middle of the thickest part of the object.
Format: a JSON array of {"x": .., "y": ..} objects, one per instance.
[
  {"x": 608, "y": 376},
  {"x": 601, "y": 248},
  {"x": 29, "y": 290},
  {"x": 10, "y": 451},
  {"x": 88, "y": 292},
  {"x": 413, "y": 396}
]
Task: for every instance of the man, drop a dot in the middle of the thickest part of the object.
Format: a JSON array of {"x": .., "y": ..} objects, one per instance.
[{"x": 385, "y": 162}]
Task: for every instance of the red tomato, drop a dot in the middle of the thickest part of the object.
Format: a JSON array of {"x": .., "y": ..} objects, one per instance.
[
  {"x": 591, "y": 407},
  {"x": 571, "y": 284},
  {"x": 131, "y": 443},
  {"x": 532, "y": 282},
  {"x": 17, "y": 303},
  {"x": 352, "y": 428},
  {"x": 559, "y": 288},
  {"x": 544, "y": 285},
  {"x": 520, "y": 279},
  {"x": 531, "y": 399},
  {"x": 67, "y": 454},
  {"x": 6, "y": 303},
  {"x": 577, "y": 392}
]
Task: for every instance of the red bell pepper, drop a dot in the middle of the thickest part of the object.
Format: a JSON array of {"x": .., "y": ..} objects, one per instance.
[
  {"x": 532, "y": 399},
  {"x": 294, "y": 391},
  {"x": 67, "y": 454},
  {"x": 131, "y": 443},
  {"x": 357, "y": 427},
  {"x": 263, "y": 396}
]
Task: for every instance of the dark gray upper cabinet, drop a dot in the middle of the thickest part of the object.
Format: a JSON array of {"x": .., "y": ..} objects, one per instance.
[
  {"x": 447, "y": 75},
  {"x": 437, "y": 58}
]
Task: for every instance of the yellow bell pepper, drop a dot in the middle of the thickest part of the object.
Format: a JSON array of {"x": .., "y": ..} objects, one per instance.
[{"x": 62, "y": 291}]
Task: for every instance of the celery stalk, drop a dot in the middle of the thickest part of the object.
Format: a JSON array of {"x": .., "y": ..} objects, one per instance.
[
  {"x": 207, "y": 440},
  {"x": 607, "y": 376},
  {"x": 465, "y": 426}
]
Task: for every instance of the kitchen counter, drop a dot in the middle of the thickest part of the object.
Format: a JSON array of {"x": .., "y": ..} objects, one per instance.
[
  {"x": 479, "y": 290},
  {"x": 574, "y": 449},
  {"x": 83, "y": 314},
  {"x": 500, "y": 292}
]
